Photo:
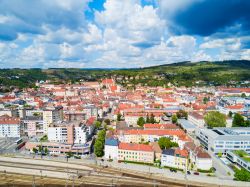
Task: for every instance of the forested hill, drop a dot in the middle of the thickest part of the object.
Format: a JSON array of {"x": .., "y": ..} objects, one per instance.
[{"x": 183, "y": 73}]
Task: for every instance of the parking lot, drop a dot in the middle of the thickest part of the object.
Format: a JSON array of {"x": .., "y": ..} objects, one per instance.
[{"x": 7, "y": 145}]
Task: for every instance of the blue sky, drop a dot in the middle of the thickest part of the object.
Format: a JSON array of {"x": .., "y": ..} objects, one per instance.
[{"x": 121, "y": 33}]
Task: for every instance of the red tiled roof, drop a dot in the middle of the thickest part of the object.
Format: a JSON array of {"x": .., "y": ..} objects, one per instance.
[
  {"x": 135, "y": 147},
  {"x": 159, "y": 132}
]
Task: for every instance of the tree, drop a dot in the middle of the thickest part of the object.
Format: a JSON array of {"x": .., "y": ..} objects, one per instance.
[
  {"x": 152, "y": 119},
  {"x": 99, "y": 143},
  {"x": 243, "y": 95},
  {"x": 230, "y": 114},
  {"x": 147, "y": 119},
  {"x": 140, "y": 121},
  {"x": 40, "y": 149},
  {"x": 119, "y": 116},
  {"x": 166, "y": 143},
  {"x": 238, "y": 120},
  {"x": 107, "y": 121},
  {"x": 242, "y": 175},
  {"x": 98, "y": 124},
  {"x": 174, "y": 118},
  {"x": 215, "y": 119},
  {"x": 34, "y": 150},
  {"x": 98, "y": 147},
  {"x": 46, "y": 151},
  {"x": 205, "y": 100},
  {"x": 182, "y": 114}
]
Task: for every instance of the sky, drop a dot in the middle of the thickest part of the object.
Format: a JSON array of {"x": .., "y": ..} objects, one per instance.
[{"x": 121, "y": 33}]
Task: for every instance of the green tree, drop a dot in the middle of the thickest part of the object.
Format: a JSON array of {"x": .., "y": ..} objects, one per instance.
[
  {"x": 99, "y": 143},
  {"x": 238, "y": 120},
  {"x": 242, "y": 175},
  {"x": 107, "y": 121},
  {"x": 46, "y": 151},
  {"x": 119, "y": 116},
  {"x": 230, "y": 114},
  {"x": 34, "y": 150},
  {"x": 98, "y": 147},
  {"x": 98, "y": 124},
  {"x": 205, "y": 100},
  {"x": 152, "y": 119},
  {"x": 215, "y": 119},
  {"x": 40, "y": 149},
  {"x": 182, "y": 114},
  {"x": 243, "y": 95},
  {"x": 141, "y": 121},
  {"x": 147, "y": 119},
  {"x": 166, "y": 143},
  {"x": 174, "y": 118}
]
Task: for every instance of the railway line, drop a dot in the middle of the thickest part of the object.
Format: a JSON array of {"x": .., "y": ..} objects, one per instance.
[{"x": 20, "y": 171}]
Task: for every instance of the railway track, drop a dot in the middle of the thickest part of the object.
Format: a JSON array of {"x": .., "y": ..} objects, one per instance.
[{"x": 82, "y": 175}]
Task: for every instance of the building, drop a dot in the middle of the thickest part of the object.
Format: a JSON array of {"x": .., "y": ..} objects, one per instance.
[
  {"x": 71, "y": 132},
  {"x": 111, "y": 148},
  {"x": 9, "y": 126},
  {"x": 221, "y": 140},
  {"x": 140, "y": 136},
  {"x": 198, "y": 157},
  {"x": 176, "y": 158},
  {"x": 240, "y": 158},
  {"x": 32, "y": 126},
  {"x": 135, "y": 152},
  {"x": 52, "y": 115},
  {"x": 196, "y": 119}
]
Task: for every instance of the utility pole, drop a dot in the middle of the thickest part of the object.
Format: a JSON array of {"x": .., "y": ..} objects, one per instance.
[{"x": 33, "y": 181}]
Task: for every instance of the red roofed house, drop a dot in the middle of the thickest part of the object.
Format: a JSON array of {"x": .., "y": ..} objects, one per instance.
[{"x": 136, "y": 152}]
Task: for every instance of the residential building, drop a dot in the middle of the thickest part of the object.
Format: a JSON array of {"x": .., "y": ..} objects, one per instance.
[
  {"x": 198, "y": 157},
  {"x": 135, "y": 152},
  {"x": 176, "y": 158},
  {"x": 111, "y": 148},
  {"x": 9, "y": 126},
  {"x": 51, "y": 115},
  {"x": 32, "y": 126}
]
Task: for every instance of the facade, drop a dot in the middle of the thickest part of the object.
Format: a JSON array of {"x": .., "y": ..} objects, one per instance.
[
  {"x": 32, "y": 126},
  {"x": 111, "y": 148},
  {"x": 135, "y": 152},
  {"x": 71, "y": 133},
  {"x": 9, "y": 126},
  {"x": 175, "y": 158},
  {"x": 241, "y": 158},
  {"x": 138, "y": 136},
  {"x": 196, "y": 119},
  {"x": 221, "y": 140},
  {"x": 199, "y": 157},
  {"x": 51, "y": 115}
]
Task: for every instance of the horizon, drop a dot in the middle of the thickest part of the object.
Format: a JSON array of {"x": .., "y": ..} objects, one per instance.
[{"x": 114, "y": 34}]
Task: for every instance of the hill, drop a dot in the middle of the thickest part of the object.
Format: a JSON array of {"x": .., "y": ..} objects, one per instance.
[{"x": 183, "y": 73}]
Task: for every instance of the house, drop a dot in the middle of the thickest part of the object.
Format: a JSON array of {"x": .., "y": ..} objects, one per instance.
[
  {"x": 135, "y": 152},
  {"x": 198, "y": 157},
  {"x": 176, "y": 158},
  {"x": 111, "y": 148}
]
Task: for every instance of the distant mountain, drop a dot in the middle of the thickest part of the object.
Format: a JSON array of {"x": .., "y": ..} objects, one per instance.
[{"x": 183, "y": 73}]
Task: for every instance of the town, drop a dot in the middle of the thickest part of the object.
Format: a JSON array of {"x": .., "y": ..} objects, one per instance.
[{"x": 200, "y": 131}]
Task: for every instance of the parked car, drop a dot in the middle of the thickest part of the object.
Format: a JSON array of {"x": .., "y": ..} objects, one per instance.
[
  {"x": 196, "y": 173},
  {"x": 188, "y": 172}
]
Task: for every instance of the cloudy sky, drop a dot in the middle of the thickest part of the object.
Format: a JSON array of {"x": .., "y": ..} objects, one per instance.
[{"x": 121, "y": 33}]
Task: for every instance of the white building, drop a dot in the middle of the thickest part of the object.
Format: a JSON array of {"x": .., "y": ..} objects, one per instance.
[
  {"x": 9, "y": 126},
  {"x": 111, "y": 148},
  {"x": 51, "y": 115},
  {"x": 199, "y": 157},
  {"x": 221, "y": 140}
]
